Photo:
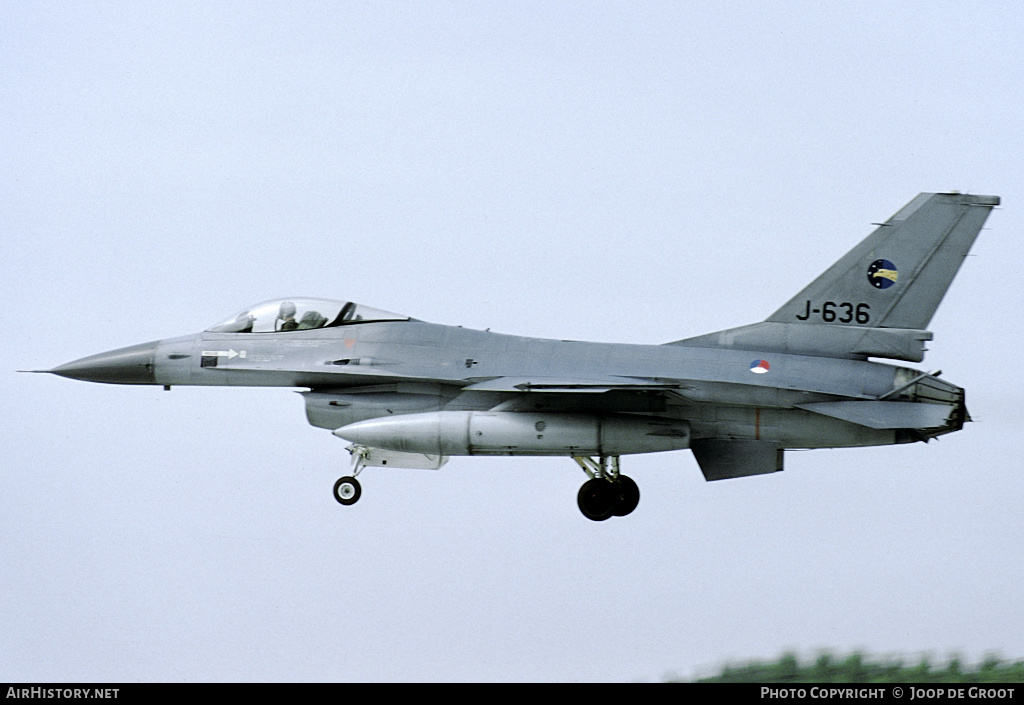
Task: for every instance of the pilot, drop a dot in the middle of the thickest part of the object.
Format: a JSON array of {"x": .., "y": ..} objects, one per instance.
[
  {"x": 311, "y": 319},
  {"x": 244, "y": 322},
  {"x": 286, "y": 316}
]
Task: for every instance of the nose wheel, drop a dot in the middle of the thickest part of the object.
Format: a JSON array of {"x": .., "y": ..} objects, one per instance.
[
  {"x": 347, "y": 490},
  {"x": 607, "y": 493}
]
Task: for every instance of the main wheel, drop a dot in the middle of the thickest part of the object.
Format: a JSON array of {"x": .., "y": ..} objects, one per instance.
[
  {"x": 627, "y": 496},
  {"x": 596, "y": 499},
  {"x": 347, "y": 490}
]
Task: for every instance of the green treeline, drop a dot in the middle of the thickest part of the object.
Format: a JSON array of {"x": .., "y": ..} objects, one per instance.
[{"x": 857, "y": 668}]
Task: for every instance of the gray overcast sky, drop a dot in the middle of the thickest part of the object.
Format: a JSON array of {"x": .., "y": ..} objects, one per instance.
[{"x": 627, "y": 172}]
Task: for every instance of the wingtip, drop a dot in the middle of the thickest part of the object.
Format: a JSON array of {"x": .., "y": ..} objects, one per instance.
[{"x": 972, "y": 199}]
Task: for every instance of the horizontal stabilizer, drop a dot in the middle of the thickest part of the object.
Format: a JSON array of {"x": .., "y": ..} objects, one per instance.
[
  {"x": 886, "y": 414},
  {"x": 725, "y": 458}
]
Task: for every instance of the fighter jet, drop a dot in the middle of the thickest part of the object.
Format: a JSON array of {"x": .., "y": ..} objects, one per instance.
[{"x": 407, "y": 393}]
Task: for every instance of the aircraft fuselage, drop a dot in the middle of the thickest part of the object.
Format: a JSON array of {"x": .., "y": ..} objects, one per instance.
[{"x": 368, "y": 370}]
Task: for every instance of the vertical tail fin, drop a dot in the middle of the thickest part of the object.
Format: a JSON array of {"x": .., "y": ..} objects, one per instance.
[
  {"x": 897, "y": 276},
  {"x": 878, "y": 299}
]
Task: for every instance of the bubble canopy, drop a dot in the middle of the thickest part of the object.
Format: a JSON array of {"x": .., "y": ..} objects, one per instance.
[{"x": 282, "y": 315}]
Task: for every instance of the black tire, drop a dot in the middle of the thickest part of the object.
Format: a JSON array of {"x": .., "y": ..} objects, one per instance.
[
  {"x": 596, "y": 499},
  {"x": 627, "y": 496},
  {"x": 347, "y": 490}
]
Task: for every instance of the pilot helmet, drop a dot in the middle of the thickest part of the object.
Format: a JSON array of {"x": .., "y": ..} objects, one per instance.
[{"x": 287, "y": 310}]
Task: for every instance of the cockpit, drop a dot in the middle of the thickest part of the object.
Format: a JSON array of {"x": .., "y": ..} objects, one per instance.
[{"x": 302, "y": 314}]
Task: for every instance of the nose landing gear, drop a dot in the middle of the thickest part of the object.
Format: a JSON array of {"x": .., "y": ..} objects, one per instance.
[
  {"x": 607, "y": 493},
  {"x": 347, "y": 490}
]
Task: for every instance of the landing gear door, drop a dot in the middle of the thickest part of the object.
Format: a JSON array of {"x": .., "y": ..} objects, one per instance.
[{"x": 380, "y": 458}]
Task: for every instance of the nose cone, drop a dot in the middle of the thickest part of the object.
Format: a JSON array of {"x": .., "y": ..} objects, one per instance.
[{"x": 131, "y": 365}]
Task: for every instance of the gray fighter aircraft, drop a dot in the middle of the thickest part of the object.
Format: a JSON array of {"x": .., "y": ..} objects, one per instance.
[{"x": 407, "y": 393}]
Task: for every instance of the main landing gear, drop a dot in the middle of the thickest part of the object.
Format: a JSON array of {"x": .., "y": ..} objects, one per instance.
[{"x": 607, "y": 493}]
